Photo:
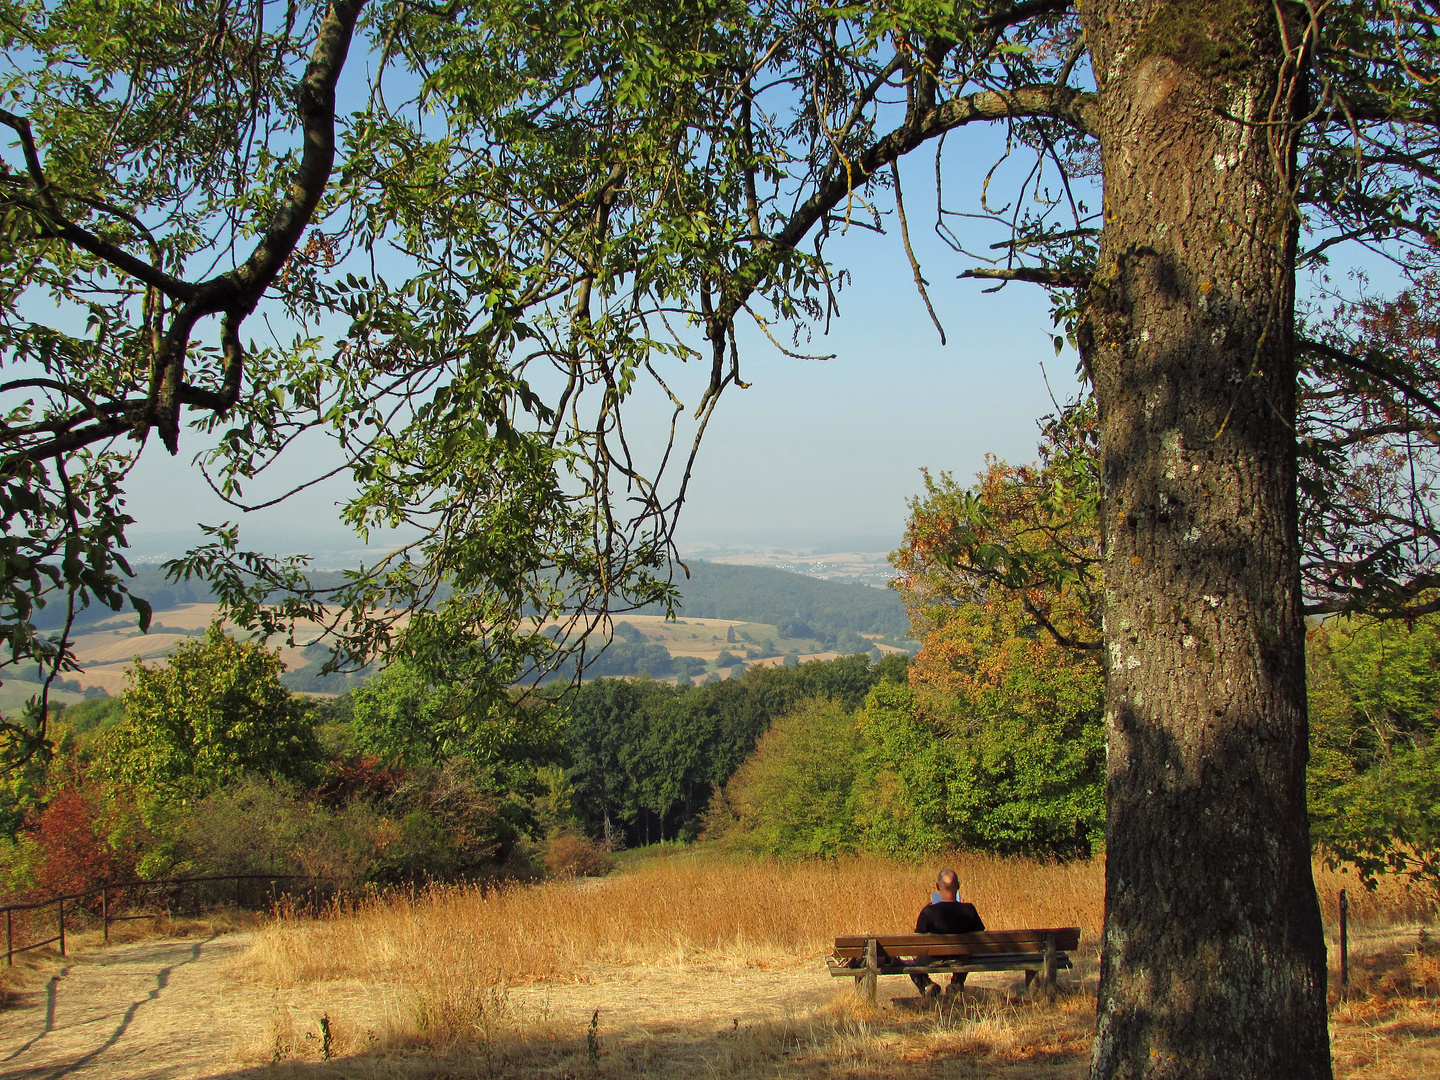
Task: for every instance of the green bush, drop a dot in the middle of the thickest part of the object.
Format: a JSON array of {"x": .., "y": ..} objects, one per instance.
[
  {"x": 1374, "y": 773},
  {"x": 214, "y": 712},
  {"x": 792, "y": 797},
  {"x": 92, "y": 714},
  {"x": 272, "y": 826},
  {"x": 908, "y": 774}
]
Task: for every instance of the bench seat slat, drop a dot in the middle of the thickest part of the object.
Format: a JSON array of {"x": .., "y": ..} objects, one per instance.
[
  {"x": 1010, "y": 962},
  {"x": 852, "y": 946}
]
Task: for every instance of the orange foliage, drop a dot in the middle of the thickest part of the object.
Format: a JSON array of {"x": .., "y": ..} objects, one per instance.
[
  {"x": 80, "y": 833},
  {"x": 995, "y": 576}
]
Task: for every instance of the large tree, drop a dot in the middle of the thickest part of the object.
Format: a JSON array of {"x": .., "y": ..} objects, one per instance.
[{"x": 574, "y": 193}]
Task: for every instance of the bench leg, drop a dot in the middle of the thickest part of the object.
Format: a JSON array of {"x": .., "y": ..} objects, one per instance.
[
  {"x": 1029, "y": 977},
  {"x": 868, "y": 983},
  {"x": 1050, "y": 962},
  {"x": 957, "y": 981}
]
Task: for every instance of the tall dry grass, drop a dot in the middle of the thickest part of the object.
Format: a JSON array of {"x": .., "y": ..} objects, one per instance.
[
  {"x": 696, "y": 908},
  {"x": 455, "y": 962},
  {"x": 1392, "y": 901},
  {"x": 727, "y": 911}
]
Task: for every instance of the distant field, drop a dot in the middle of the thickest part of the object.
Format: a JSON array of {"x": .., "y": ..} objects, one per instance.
[
  {"x": 859, "y": 567},
  {"x": 16, "y": 692},
  {"x": 108, "y": 648}
]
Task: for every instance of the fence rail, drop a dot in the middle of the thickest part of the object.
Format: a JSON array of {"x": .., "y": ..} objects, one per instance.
[{"x": 109, "y": 889}]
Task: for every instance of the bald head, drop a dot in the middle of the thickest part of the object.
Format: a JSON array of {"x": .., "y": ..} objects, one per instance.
[{"x": 947, "y": 884}]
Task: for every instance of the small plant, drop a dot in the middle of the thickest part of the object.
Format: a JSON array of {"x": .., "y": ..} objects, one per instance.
[{"x": 592, "y": 1041}]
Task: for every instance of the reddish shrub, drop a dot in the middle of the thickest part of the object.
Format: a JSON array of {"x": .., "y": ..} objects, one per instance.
[
  {"x": 76, "y": 831},
  {"x": 569, "y": 855},
  {"x": 355, "y": 778}
]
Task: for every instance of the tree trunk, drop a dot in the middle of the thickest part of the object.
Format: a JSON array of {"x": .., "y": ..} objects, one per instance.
[{"x": 1213, "y": 957}]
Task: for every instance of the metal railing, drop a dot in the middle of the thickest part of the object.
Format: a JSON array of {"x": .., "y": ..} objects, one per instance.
[{"x": 173, "y": 887}]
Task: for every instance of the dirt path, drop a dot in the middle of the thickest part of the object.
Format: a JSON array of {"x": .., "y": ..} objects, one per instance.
[
  {"x": 151, "y": 1010},
  {"x": 178, "y": 1010}
]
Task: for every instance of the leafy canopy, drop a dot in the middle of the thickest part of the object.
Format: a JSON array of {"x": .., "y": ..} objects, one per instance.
[
  {"x": 523, "y": 214},
  {"x": 214, "y": 711}
]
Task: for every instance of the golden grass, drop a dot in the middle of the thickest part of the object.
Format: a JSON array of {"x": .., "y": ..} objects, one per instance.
[
  {"x": 703, "y": 964},
  {"x": 1387, "y": 1023},
  {"x": 725, "y": 911},
  {"x": 1392, "y": 901}
]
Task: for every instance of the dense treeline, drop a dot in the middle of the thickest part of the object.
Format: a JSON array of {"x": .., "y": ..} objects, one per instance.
[
  {"x": 643, "y": 757},
  {"x": 990, "y": 739},
  {"x": 208, "y": 764}
]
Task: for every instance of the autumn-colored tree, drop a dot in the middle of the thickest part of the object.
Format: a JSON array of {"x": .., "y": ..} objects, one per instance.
[
  {"x": 1002, "y": 581},
  {"x": 85, "y": 834},
  {"x": 1005, "y": 576}
]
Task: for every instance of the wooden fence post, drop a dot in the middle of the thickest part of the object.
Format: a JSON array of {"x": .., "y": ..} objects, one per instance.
[
  {"x": 9, "y": 941},
  {"x": 105, "y": 912},
  {"x": 61, "y": 920},
  {"x": 1344, "y": 939}
]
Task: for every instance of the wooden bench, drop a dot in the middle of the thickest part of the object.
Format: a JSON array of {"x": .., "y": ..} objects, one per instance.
[{"x": 1041, "y": 953}]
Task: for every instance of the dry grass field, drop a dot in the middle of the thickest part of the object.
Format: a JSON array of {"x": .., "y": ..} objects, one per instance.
[
  {"x": 106, "y": 652},
  {"x": 700, "y": 965}
]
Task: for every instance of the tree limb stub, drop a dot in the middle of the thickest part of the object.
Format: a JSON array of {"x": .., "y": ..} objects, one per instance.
[{"x": 1038, "y": 275}]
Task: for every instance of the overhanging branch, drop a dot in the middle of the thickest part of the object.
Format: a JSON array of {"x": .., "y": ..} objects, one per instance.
[{"x": 1038, "y": 275}]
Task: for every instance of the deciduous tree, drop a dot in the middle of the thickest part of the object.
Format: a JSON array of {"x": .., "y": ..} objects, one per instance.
[
  {"x": 215, "y": 710},
  {"x": 569, "y": 186}
]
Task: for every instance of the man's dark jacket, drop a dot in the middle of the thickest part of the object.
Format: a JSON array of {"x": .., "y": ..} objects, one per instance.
[{"x": 948, "y": 917}]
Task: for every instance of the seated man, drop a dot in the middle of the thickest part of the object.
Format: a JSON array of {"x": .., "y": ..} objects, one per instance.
[{"x": 945, "y": 916}]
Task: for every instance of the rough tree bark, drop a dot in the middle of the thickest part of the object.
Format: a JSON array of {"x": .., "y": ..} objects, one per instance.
[{"x": 1213, "y": 958}]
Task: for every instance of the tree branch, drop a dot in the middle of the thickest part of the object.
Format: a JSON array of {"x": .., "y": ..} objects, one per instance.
[
  {"x": 1070, "y": 641},
  {"x": 1038, "y": 275},
  {"x": 316, "y": 101},
  {"x": 1319, "y": 348},
  {"x": 1020, "y": 12},
  {"x": 1073, "y": 107}
]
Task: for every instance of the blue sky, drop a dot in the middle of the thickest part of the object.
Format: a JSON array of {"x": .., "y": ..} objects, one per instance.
[{"x": 815, "y": 454}]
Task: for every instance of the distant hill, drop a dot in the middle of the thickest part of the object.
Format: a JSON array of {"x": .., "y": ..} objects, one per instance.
[
  {"x": 713, "y": 591},
  {"x": 776, "y": 613},
  {"x": 778, "y": 597}
]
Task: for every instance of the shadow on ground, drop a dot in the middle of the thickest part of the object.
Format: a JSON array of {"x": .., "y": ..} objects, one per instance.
[{"x": 983, "y": 1033}]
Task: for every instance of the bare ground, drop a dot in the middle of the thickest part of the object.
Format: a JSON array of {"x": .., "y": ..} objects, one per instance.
[
  {"x": 188, "y": 1009},
  {"x": 191, "y": 1009},
  {"x": 150, "y": 1009}
]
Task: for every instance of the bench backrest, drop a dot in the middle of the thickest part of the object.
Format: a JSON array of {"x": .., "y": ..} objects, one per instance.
[{"x": 852, "y": 946}]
